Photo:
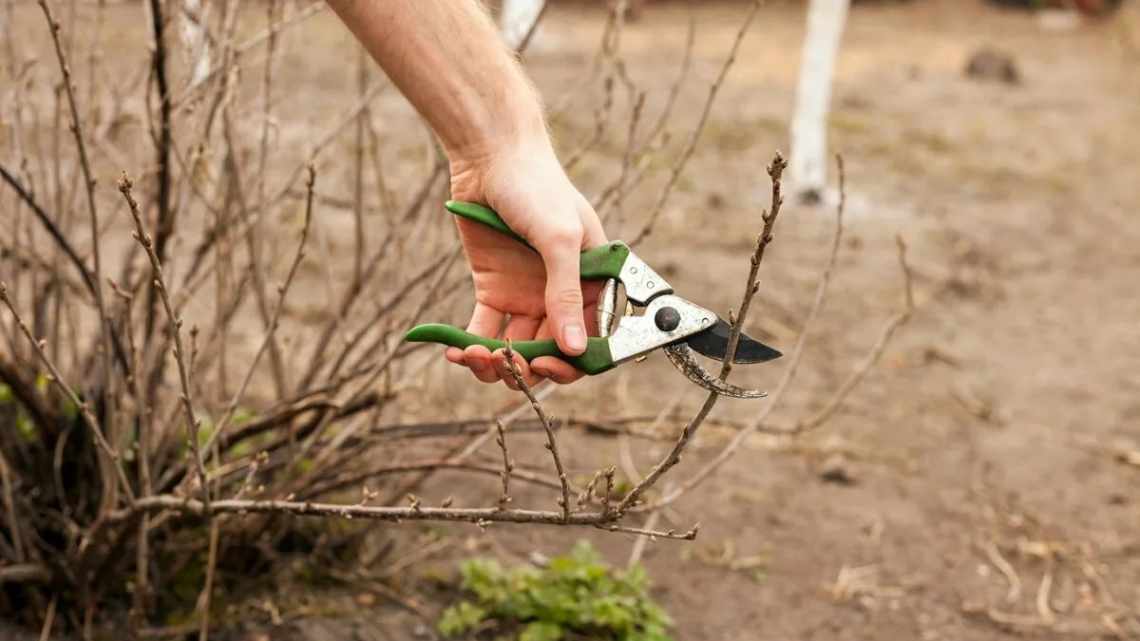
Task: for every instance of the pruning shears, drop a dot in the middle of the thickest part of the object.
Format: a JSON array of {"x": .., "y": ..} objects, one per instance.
[{"x": 669, "y": 322}]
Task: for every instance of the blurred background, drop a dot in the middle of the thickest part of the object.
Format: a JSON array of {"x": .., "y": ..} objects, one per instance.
[{"x": 981, "y": 481}]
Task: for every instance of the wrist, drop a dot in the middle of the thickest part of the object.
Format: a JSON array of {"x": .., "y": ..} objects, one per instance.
[
  {"x": 480, "y": 170},
  {"x": 517, "y": 125}
]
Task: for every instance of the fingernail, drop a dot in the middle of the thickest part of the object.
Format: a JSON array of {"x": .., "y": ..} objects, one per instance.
[{"x": 574, "y": 337}]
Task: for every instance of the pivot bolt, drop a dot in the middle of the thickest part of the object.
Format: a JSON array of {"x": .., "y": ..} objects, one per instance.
[{"x": 667, "y": 319}]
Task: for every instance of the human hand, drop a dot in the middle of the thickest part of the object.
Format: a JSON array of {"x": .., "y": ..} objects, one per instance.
[{"x": 536, "y": 296}]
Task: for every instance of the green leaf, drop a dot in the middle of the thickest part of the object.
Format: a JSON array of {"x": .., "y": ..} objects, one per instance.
[
  {"x": 242, "y": 415},
  {"x": 26, "y": 428},
  {"x": 5, "y": 394},
  {"x": 460, "y": 618},
  {"x": 576, "y": 595},
  {"x": 541, "y": 631}
]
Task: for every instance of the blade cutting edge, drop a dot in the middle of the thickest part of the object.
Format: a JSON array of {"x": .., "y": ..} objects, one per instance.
[{"x": 713, "y": 343}]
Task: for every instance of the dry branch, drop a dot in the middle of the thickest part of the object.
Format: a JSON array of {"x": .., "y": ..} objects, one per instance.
[
  {"x": 695, "y": 136},
  {"x": 282, "y": 292},
  {"x": 175, "y": 329},
  {"x": 551, "y": 440},
  {"x": 57, "y": 379},
  {"x": 775, "y": 172},
  {"x": 508, "y": 466}
]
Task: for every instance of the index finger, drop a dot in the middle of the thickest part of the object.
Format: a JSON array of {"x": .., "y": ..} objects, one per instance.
[{"x": 551, "y": 367}]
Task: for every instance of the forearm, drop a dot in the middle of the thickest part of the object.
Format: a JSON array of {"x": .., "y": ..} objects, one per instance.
[{"x": 448, "y": 59}]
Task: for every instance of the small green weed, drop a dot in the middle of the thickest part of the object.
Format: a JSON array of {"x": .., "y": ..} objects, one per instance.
[{"x": 574, "y": 597}]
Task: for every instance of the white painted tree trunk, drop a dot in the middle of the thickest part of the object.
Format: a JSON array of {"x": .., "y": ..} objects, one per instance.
[
  {"x": 809, "y": 161},
  {"x": 516, "y": 19},
  {"x": 195, "y": 39}
]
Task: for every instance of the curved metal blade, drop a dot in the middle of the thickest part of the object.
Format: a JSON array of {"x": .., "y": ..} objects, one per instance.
[
  {"x": 682, "y": 358},
  {"x": 713, "y": 342}
]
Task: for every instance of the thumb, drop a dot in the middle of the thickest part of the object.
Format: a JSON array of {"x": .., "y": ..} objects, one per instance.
[{"x": 564, "y": 297}]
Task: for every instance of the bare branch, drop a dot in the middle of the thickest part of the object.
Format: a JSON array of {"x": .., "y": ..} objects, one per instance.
[
  {"x": 789, "y": 372},
  {"x": 282, "y": 292},
  {"x": 81, "y": 405},
  {"x": 551, "y": 440},
  {"x": 872, "y": 357},
  {"x": 775, "y": 171},
  {"x": 175, "y": 329},
  {"x": 653, "y": 534},
  {"x": 89, "y": 184},
  {"x": 501, "y": 440},
  {"x": 164, "y": 502},
  {"x": 695, "y": 136},
  {"x": 24, "y": 573},
  {"x": 53, "y": 231}
]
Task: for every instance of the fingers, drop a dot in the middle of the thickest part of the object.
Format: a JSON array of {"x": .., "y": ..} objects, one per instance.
[
  {"x": 479, "y": 360},
  {"x": 564, "y": 294},
  {"x": 503, "y": 369},
  {"x": 485, "y": 321},
  {"x": 520, "y": 328},
  {"x": 593, "y": 231},
  {"x": 490, "y": 367},
  {"x": 555, "y": 369}
]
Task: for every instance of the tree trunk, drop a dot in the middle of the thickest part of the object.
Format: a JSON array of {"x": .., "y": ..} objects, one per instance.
[
  {"x": 809, "y": 162},
  {"x": 516, "y": 19}
]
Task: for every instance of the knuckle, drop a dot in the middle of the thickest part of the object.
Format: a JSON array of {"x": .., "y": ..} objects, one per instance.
[
  {"x": 556, "y": 237},
  {"x": 567, "y": 297}
]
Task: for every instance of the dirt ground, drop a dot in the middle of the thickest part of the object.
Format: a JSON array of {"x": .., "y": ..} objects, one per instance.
[
  {"x": 989, "y": 449},
  {"x": 987, "y": 441}
]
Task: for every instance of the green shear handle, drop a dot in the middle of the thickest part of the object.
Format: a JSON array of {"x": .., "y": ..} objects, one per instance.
[{"x": 599, "y": 263}]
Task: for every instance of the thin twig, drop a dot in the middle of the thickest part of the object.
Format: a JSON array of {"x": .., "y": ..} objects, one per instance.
[
  {"x": 551, "y": 440},
  {"x": 185, "y": 505},
  {"x": 775, "y": 172},
  {"x": 208, "y": 585},
  {"x": 165, "y": 222},
  {"x": 24, "y": 573},
  {"x": 14, "y": 523},
  {"x": 270, "y": 32},
  {"x": 608, "y": 492},
  {"x": 873, "y": 355},
  {"x": 145, "y": 423},
  {"x": 501, "y": 440},
  {"x": 49, "y": 619},
  {"x": 49, "y": 225},
  {"x": 1044, "y": 610},
  {"x": 93, "y": 214},
  {"x": 282, "y": 292},
  {"x": 653, "y": 534},
  {"x": 695, "y": 136},
  {"x": 332, "y": 485},
  {"x": 175, "y": 329},
  {"x": 58, "y": 380},
  {"x": 363, "y": 66},
  {"x": 1003, "y": 566},
  {"x": 789, "y": 372}
]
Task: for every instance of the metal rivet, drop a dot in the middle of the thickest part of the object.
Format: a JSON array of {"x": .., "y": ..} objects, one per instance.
[
  {"x": 633, "y": 270},
  {"x": 667, "y": 319},
  {"x": 649, "y": 284}
]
